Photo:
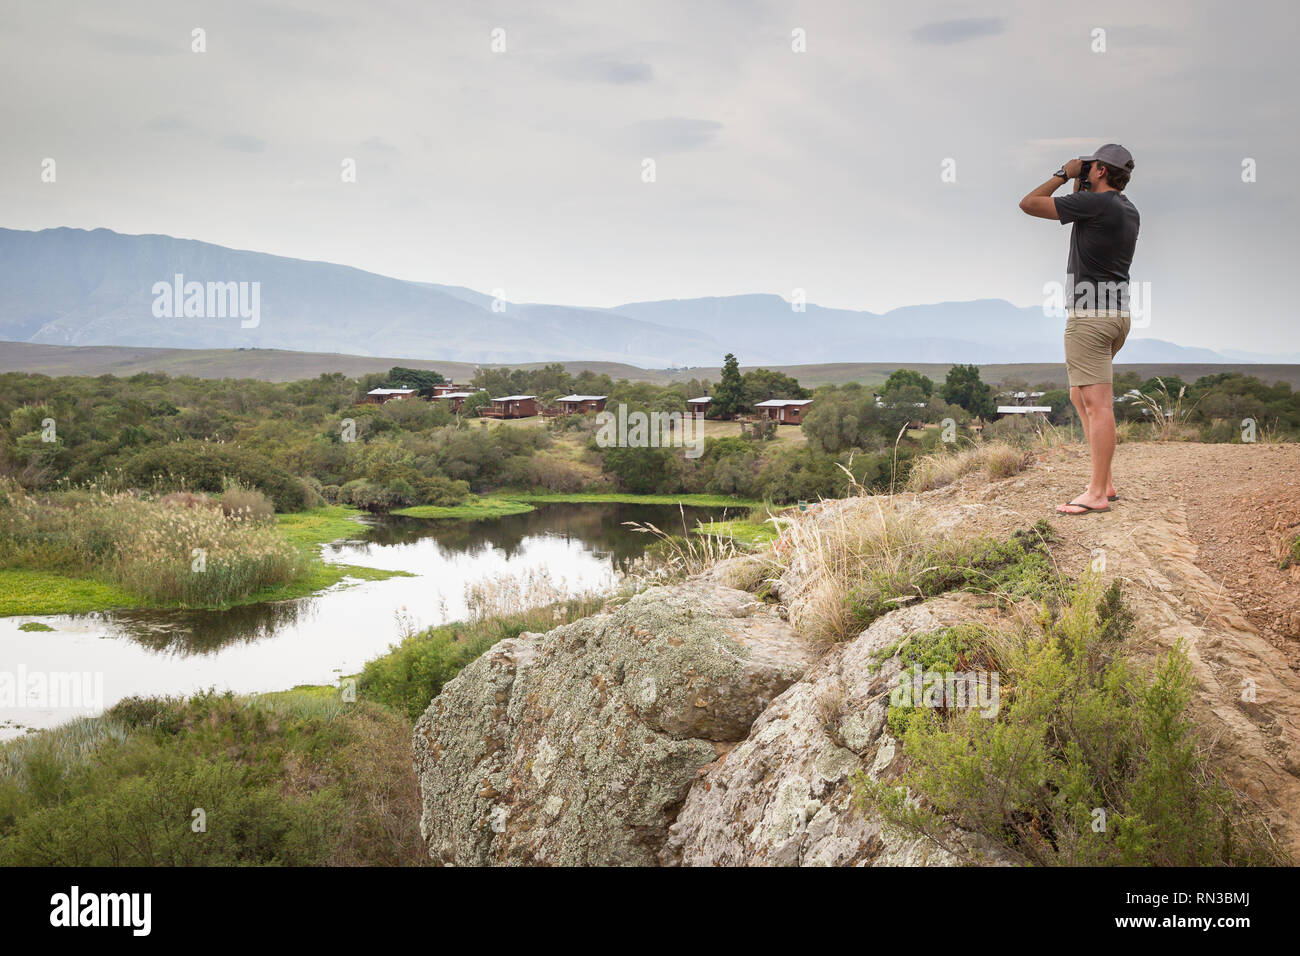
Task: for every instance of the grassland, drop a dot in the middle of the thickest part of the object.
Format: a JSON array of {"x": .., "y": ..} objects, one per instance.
[{"x": 750, "y": 534}]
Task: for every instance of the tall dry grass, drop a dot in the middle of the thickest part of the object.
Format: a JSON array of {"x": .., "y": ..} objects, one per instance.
[
  {"x": 183, "y": 550},
  {"x": 673, "y": 557},
  {"x": 868, "y": 546},
  {"x": 529, "y": 591},
  {"x": 997, "y": 459},
  {"x": 1169, "y": 419}
]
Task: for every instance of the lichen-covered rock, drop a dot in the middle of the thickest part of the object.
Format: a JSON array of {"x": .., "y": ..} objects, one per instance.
[
  {"x": 784, "y": 796},
  {"x": 579, "y": 745}
]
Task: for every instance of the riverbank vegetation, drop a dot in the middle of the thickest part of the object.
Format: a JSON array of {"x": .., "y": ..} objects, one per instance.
[
  {"x": 299, "y": 778},
  {"x": 80, "y": 550}
]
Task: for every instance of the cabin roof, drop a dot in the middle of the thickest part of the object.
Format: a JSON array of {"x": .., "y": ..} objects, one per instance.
[
  {"x": 514, "y": 398},
  {"x": 582, "y": 398},
  {"x": 702, "y": 400},
  {"x": 1022, "y": 409},
  {"x": 780, "y": 402},
  {"x": 391, "y": 391},
  {"x": 454, "y": 395}
]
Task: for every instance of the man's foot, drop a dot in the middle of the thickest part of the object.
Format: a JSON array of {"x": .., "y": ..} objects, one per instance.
[{"x": 1084, "y": 504}]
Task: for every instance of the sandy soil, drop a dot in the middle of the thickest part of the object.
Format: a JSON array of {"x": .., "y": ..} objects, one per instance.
[{"x": 1241, "y": 504}]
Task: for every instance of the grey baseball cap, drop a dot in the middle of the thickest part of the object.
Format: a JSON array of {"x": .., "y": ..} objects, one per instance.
[{"x": 1112, "y": 154}]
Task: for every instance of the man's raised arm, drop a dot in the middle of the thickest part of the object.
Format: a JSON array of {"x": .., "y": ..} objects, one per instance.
[{"x": 1040, "y": 202}]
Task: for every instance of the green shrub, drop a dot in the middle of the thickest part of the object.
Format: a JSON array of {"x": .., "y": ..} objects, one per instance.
[
  {"x": 297, "y": 778},
  {"x": 1089, "y": 760},
  {"x": 414, "y": 671},
  {"x": 202, "y": 466}
]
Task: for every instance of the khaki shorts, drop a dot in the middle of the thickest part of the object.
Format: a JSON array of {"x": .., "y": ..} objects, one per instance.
[{"x": 1092, "y": 337}]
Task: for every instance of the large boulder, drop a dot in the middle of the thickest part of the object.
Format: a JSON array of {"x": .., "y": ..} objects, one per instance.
[
  {"x": 785, "y": 795},
  {"x": 578, "y": 746}
]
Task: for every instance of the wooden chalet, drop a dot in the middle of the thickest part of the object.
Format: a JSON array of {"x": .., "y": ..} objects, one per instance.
[
  {"x": 454, "y": 400},
  {"x": 380, "y": 396},
  {"x": 580, "y": 404},
  {"x": 511, "y": 406},
  {"x": 784, "y": 411}
]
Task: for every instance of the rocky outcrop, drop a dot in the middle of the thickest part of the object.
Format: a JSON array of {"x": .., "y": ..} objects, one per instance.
[
  {"x": 692, "y": 726},
  {"x": 785, "y": 795},
  {"x": 578, "y": 746}
]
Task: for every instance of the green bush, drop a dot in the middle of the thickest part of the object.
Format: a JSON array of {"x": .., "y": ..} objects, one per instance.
[
  {"x": 1089, "y": 760},
  {"x": 201, "y": 466},
  {"x": 297, "y": 779}
]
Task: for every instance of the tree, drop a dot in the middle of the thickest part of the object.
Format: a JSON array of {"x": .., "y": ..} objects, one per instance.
[
  {"x": 965, "y": 388},
  {"x": 904, "y": 377},
  {"x": 729, "y": 396},
  {"x": 761, "y": 384},
  {"x": 417, "y": 378},
  {"x": 842, "y": 418}
]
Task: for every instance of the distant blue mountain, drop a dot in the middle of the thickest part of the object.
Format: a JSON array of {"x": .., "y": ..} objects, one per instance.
[{"x": 76, "y": 287}]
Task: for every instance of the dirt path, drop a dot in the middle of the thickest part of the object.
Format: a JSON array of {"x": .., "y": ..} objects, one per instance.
[
  {"x": 1196, "y": 538},
  {"x": 1241, "y": 506}
]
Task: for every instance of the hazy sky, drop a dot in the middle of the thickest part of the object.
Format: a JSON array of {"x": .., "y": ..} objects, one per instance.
[{"x": 522, "y": 170}]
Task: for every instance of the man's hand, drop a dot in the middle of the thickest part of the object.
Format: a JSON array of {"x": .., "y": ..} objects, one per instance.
[{"x": 1073, "y": 168}]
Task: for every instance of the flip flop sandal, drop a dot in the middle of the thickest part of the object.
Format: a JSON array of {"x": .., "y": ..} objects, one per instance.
[
  {"x": 1112, "y": 497},
  {"x": 1086, "y": 510}
]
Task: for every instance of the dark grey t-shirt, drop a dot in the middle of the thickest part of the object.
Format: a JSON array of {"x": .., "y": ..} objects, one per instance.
[{"x": 1101, "y": 248}]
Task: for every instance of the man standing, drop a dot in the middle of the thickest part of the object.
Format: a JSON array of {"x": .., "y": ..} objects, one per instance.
[{"x": 1101, "y": 249}]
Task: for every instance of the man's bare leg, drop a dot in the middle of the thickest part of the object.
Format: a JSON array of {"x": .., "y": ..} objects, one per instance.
[
  {"x": 1098, "y": 413},
  {"x": 1076, "y": 399}
]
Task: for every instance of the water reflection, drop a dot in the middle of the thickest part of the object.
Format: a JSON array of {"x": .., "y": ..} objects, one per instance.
[
  {"x": 202, "y": 632},
  {"x": 264, "y": 647},
  {"x": 600, "y": 528}
]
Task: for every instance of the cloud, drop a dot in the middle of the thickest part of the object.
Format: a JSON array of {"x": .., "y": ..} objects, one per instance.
[
  {"x": 600, "y": 68},
  {"x": 379, "y": 144},
  {"x": 138, "y": 44},
  {"x": 674, "y": 134},
  {"x": 167, "y": 123},
  {"x": 243, "y": 144},
  {"x": 944, "y": 32}
]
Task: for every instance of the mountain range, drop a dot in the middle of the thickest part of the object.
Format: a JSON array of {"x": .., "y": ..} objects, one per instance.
[{"x": 76, "y": 287}]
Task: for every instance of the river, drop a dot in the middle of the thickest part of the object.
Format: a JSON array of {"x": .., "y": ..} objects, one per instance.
[{"x": 103, "y": 657}]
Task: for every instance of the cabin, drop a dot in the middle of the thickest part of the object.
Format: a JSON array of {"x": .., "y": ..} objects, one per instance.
[
  {"x": 1024, "y": 409},
  {"x": 784, "y": 411},
  {"x": 511, "y": 406},
  {"x": 380, "y": 396},
  {"x": 454, "y": 399},
  {"x": 698, "y": 407},
  {"x": 581, "y": 404},
  {"x": 1019, "y": 397}
]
